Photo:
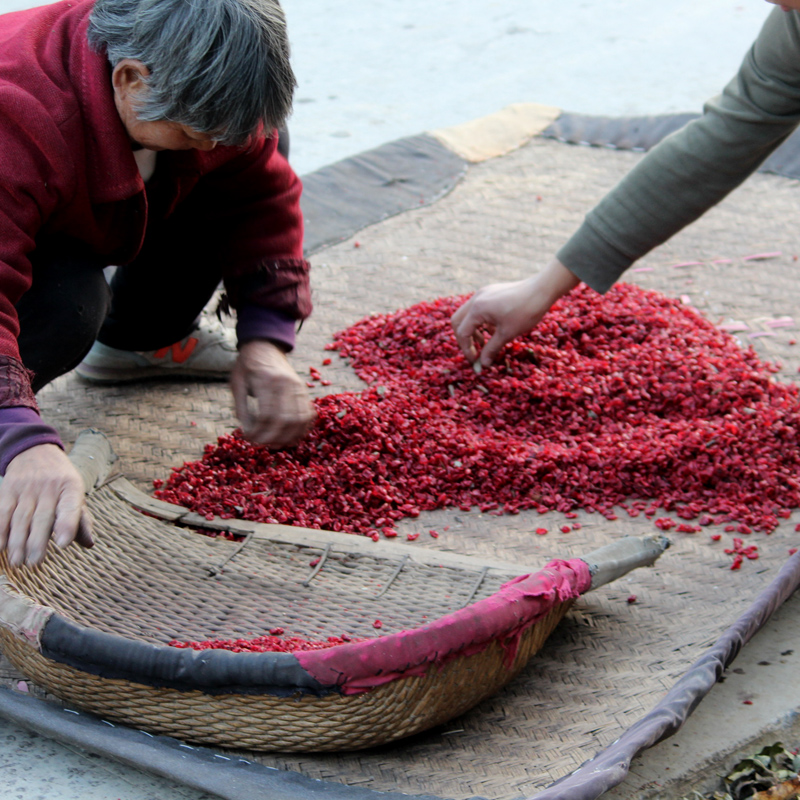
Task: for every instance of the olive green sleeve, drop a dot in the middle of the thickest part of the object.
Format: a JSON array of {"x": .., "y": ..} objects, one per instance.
[{"x": 696, "y": 167}]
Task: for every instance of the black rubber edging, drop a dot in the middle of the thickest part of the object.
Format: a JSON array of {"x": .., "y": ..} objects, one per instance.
[
  {"x": 209, "y": 671},
  {"x": 640, "y": 134},
  {"x": 198, "y": 767}
]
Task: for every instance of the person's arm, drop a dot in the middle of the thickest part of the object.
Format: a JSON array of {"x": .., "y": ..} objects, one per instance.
[
  {"x": 254, "y": 202},
  {"x": 697, "y": 166},
  {"x": 673, "y": 185},
  {"x": 41, "y": 494}
]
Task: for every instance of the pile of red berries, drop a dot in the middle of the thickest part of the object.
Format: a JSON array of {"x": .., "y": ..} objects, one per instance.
[{"x": 630, "y": 400}]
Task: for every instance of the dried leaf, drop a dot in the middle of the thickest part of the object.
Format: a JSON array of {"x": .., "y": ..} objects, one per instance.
[{"x": 788, "y": 790}]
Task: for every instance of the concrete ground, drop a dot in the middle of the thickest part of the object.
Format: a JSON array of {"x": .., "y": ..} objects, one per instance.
[
  {"x": 375, "y": 71},
  {"x": 725, "y": 728},
  {"x": 372, "y": 71}
]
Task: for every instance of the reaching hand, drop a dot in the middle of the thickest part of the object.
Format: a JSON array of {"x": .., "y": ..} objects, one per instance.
[
  {"x": 283, "y": 412},
  {"x": 42, "y": 495},
  {"x": 508, "y": 310}
]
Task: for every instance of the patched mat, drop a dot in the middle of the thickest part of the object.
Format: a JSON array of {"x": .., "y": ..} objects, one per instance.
[{"x": 609, "y": 661}]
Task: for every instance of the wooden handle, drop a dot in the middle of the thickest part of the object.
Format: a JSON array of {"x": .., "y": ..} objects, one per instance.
[
  {"x": 618, "y": 558},
  {"x": 92, "y": 456}
]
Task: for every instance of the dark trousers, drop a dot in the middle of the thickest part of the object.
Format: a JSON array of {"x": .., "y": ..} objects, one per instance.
[{"x": 152, "y": 302}]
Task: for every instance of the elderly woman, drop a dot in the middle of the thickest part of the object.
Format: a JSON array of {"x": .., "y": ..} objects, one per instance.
[
  {"x": 141, "y": 133},
  {"x": 673, "y": 185}
]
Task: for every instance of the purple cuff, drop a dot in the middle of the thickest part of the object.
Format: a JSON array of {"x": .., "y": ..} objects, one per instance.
[
  {"x": 20, "y": 429},
  {"x": 254, "y": 322}
]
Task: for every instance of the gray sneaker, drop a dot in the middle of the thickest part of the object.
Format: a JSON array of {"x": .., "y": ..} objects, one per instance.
[{"x": 208, "y": 352}]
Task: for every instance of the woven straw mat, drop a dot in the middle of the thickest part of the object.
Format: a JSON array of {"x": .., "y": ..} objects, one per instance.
[{"x": 608, "y": 662}]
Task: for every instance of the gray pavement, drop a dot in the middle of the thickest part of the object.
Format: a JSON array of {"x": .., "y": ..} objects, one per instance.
[
  {"x": 376, "y": 70},
  {"x": 371, "y": 71},
  {"x": 34, "y": 768}
]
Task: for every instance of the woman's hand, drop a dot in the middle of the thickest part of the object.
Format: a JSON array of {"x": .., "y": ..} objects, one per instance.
[
  {"x": 41, "y": 496},
  {"x": 283, "y": 412},
  {"x": 508, "y": 310}
]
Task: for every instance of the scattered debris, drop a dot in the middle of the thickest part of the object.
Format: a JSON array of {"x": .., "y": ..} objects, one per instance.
[{"x": 771, "y": 774}]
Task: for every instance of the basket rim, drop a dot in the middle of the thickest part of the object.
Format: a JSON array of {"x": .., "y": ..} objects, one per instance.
[{"x": 348, "y": 668}]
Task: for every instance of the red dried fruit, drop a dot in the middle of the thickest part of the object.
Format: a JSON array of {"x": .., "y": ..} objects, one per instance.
[
  {"x": 435, "y": 534},
  {"x": 565, "y": 529},
  {"x": 684, "y": 528},
  {"x": 740, "y": 552},
  {"x": 265, "y": 644},
  {"x": 631, "y": 598},
  {"x": 541, "y": 531},
  {"x": 377, "y": 624},
  {"x": 326, "y": 362},
  {"x": 565, "y": 420},
  {"x": 715, "y": 537},
  {"x": 412, "y": 537}
]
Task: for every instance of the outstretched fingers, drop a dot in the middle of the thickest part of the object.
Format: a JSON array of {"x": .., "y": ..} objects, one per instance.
[{"x": 41, "y": 496}]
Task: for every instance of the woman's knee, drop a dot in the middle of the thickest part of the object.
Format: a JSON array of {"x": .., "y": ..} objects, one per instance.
[{"x": 62, "y": 313}]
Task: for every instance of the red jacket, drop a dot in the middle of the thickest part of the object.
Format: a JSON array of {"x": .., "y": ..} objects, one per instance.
[{"x": 66, "y": 167}]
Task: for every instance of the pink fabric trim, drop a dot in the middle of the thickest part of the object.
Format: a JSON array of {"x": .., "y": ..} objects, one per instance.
[{"x": 357, "y": 667}]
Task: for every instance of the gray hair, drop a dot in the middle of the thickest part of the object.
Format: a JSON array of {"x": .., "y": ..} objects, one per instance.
[{"x": 220, "y": 67}]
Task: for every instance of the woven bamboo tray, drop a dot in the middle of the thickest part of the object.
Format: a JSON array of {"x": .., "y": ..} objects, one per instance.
[{"x": 92, "y": 626}]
